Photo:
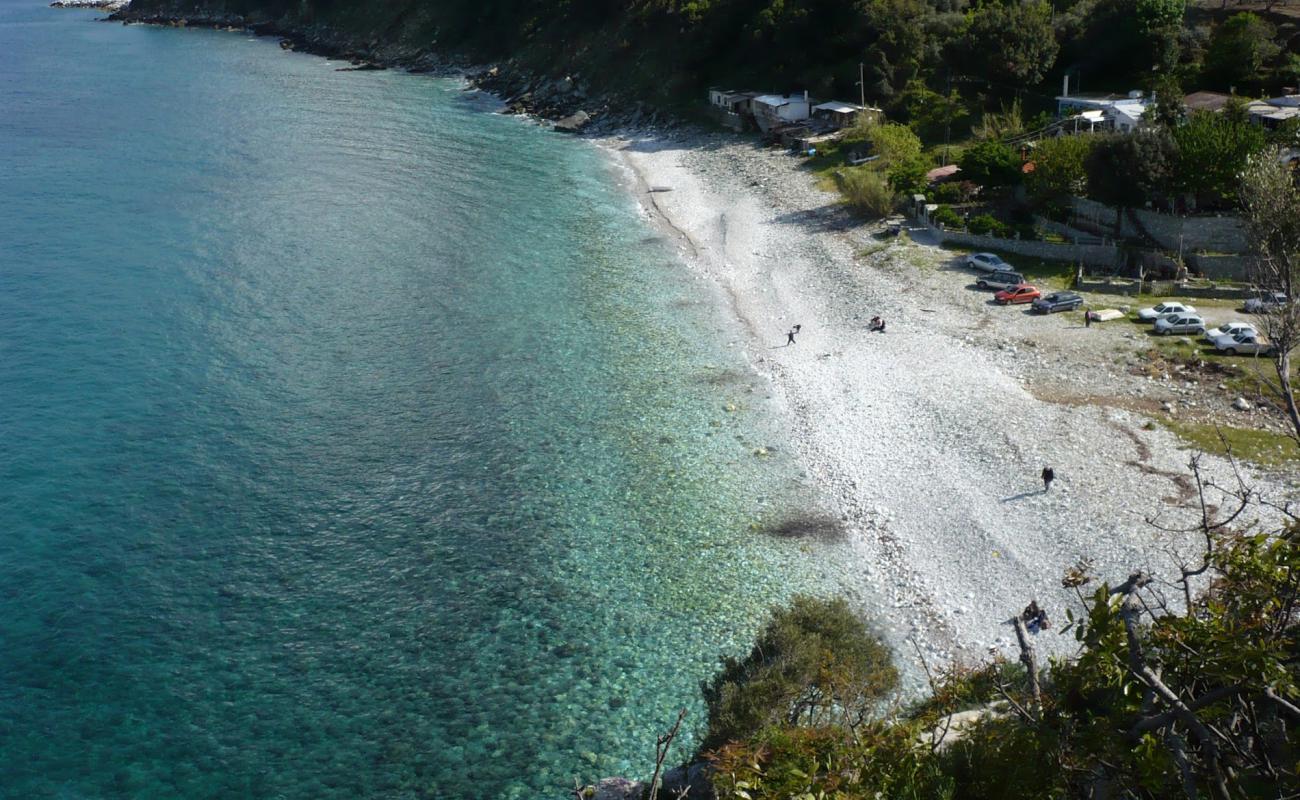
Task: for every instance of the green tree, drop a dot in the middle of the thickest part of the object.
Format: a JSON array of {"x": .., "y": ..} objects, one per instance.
[
  {"x": 1160, "y": 22},
  {"x": 1126, "y": 170},
  {"x": 1010, "y": 41},
  {"x": 1238, "y": 50},
  {"x": 1058, "y": 172},
  {"x": 990, "y": 164},
  {"x": 1270, "y": 194},
  {"x": 935, "y": 117},
  {"x": 814, "y": 663},
  {"x": 894, "y": 143},
  {"x": 1212, "y": 151},
  {"x": 1167, "y": 109},
  {"x": 908, "y": 177}
]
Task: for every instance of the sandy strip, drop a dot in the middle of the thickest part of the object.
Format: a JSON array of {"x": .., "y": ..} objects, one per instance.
[{"x": 924, "y": 437}]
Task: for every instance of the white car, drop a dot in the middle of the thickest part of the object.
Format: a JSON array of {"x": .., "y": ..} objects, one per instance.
[
  {"x": 1228, "y": 330},
  {"x": 1179, "y": 323},
  {"x": 1163, "y": 309},
  {"x": 987, "y": 262},
  {"x": 1267, "y": 302},
  {"x": 1246, "y": 344}
]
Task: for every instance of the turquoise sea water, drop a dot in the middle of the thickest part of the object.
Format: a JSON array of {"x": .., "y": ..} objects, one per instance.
[{"x": 356, "y": 441}]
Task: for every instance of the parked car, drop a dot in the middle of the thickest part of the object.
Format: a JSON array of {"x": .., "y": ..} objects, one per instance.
[
  {"x": 1000, "y": 280},
  {"x": 1024, "y": 293},
  {"x": 1179, "y": 323},
  {"x": 1057, "y": 301},
  {"x": 1266, "y": 302},
  {"x": 1162, "y": 309},
  {"x": 1246, "y": 344},
  {"x": 1228, "y": 330},
  {"x": 987, "y": 262}
]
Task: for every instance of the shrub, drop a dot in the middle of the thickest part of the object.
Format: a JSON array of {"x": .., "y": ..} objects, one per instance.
[
  {"x": 867, "y": 189},
  {"x": 908, "y": 177},
  {"x": 986, "y": 225},
  {"x": 894, "y": 143},
  {"x": 876, "y": 761},
  {"x": 815, "y": 663},
  {"x": 953, "y": 192},
  {"x": 944, "y": 215},
  {"x": 991, "y": 163}
]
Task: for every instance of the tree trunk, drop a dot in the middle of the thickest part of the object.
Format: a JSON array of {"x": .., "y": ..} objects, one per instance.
[{"x": 1283, "y": 365}]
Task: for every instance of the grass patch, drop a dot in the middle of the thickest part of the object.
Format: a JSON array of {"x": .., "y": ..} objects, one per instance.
[
  {"x": 1248, "y": 444},
  {"x": 1046, "y": 274}
]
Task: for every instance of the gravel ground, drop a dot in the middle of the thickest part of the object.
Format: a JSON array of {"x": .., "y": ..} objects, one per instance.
[{"x": 930, "y": 438}]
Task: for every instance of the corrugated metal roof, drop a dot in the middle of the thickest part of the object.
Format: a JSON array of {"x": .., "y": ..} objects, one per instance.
[{"x": 842, "y": 108}]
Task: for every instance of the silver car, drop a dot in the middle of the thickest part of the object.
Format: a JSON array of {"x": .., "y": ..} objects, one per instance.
[
  {"x": 1246, "y": 344},
  {"x": 1179, "y": 323},
  {"x": 1226, "y": 331},
  {"x": 1000, "y": 280},
  {"x": 987, "y": 262},
  {"x": 1164, "y": 309},
  {"x": 1267, "y": 302}
]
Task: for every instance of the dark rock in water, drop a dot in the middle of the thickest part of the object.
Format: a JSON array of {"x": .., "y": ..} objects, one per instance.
[
  {"x": 617, "y": 789},
  {"x": 573, "y": 123}
]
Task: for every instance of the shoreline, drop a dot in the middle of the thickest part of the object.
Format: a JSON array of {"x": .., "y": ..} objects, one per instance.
[
  {"x": 911, "y": 436},
  {"x": 926, "y": 441}
]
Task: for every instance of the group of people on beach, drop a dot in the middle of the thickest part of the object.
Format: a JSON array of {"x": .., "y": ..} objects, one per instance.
[{"x": 877, "y": 325}]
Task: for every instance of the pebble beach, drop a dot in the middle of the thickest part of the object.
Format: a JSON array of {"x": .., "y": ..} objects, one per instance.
[{"x": 928, "y": 440}]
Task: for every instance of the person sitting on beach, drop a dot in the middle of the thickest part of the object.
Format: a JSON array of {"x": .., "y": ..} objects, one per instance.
[{"x": 877, "y": 325}]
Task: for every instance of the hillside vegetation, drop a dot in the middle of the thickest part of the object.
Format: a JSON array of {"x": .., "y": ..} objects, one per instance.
[{"x": 932, "y": 63}]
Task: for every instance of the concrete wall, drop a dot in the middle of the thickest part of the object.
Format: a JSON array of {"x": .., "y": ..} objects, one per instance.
[
  {"x": 1097, "y": 255},
  {"x": 1162, "y": 289},
  {"x": 1220, "y": 268},
  {"x": 1216, "y": 234}
]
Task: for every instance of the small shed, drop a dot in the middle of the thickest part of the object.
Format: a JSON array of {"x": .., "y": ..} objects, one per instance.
[
  {"x": 942, "y": 174},
  {"x": 839, "y": 115},
  {"x": 731, "y": 100},
  {"x": 774, "y": 110},
  {"x": 1206, "y": 101}
]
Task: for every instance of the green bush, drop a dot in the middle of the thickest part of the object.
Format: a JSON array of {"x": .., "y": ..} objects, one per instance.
[
  {"x": 991, "y": 163},
  {"x": 867, "y": 189},
  {"x": 908, "y": 177},
  {"x": 951, "y": 192},
  {"x": 815, "y": 663},
  {"x": 875, "y": 761},
  {"x": 987, "y": 225},
  {"x": 945, "y": 216}
]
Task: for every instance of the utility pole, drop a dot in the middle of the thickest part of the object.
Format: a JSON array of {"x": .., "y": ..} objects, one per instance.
[
  {"x": 947, "y": 117},
  {"x": 862, "y": 87}
]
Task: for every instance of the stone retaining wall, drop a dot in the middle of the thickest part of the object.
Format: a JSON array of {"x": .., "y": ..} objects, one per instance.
[
  {"x": 1216, "y": 234},
  {"x": 1097, "y": 255},
  {"x": 1220, "y": 268},
  {"x": 1130, "y": 288}
]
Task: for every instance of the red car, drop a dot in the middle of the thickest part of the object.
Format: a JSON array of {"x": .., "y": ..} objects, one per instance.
[{"x": 1024, "y": 293}]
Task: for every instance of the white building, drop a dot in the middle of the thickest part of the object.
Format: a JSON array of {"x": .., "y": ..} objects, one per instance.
[
  {"x": 1273, "y": 112},
  {"x": 1119, "y": 112},
  {"x": 774, "y": 110}
]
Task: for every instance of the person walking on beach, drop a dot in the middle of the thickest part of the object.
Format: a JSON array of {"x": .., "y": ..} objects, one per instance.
[
  {"x": 1087, "y": 318},
  {"x": 789, "y": 335},
  {"x": 1049, "y": 475}
]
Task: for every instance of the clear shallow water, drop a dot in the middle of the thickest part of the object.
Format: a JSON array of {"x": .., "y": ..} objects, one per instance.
[{"x": 356, "y": 442}]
